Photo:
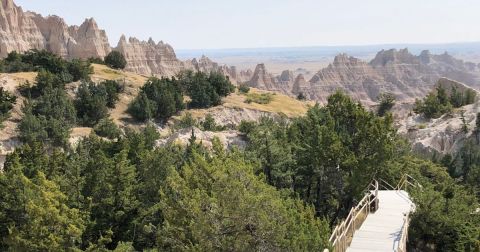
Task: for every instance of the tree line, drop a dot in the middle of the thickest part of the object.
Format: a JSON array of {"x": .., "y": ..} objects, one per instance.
[
  {"x": 162, "y": 98},
  {"x": 438, "y": 102}
]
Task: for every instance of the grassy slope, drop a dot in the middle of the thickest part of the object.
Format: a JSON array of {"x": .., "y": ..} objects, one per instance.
[
  {"x": 133, "y": 83},
  {"x": 280, "y": 104},
  {"x": 11, "y": 81}
]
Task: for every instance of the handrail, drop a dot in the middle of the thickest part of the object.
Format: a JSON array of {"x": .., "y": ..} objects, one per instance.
[
  {"x": 386, "y": 183},
  {"x": 405, "y": 181},
  {"x": 342, "y": 232},
  {"x": 402, "y": 247},
  {"x": 346, "y": 229}
]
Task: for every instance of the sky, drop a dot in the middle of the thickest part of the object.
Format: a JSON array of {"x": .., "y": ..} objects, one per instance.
[{"x": 217, "y": 24}]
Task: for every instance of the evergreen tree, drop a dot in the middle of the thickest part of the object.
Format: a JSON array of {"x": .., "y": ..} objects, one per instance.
[
  {"x": 113, "y": 198},
  {"x": 7, "y": 100},
  {"x": 46, "y": 223},
  {"x": 91, "y": 103},
  {"x": 116, "y": 60},
  {"x": 218, "y": 204}
]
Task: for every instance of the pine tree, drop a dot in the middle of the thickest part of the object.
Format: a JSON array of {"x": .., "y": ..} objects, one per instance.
[
  {"x": 37, "y": 217},
  {"x": 218, "y": 204},
  {"x": 114, "y": 201}
]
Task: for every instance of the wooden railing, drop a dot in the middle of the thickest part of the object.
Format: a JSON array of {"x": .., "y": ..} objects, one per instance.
[
  {"x": 343, "y": 233},
  {"x": 407, "y": 181},
  {"x": 402, "y": 246}
]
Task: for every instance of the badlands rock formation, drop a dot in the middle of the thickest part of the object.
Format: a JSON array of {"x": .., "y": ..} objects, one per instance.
[
  {"x": 149, "y": 58},
  {"x": 443, "y": 135},
  {"x": 21, "y": 31},
  {"x": 204, "y": 64},
  {"x": 262, "y": 79},
  {"x": 405, "y": 75}
]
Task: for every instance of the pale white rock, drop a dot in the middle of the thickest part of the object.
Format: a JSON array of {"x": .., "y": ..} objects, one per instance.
[
  {"x": 21, "y": 31},
  {"x": 228, "y": 139},
  {"x": 399, "y": 72},
  {"x": 444, "y": 135}
]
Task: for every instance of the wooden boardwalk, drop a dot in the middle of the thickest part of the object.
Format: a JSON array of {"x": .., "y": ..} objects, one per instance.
[{"x": 382, "y": 230}]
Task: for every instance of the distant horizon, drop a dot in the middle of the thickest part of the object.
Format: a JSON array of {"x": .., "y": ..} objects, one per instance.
[
  {"x": 216, "y": 24},
  {"x": 392, "y": 45}
]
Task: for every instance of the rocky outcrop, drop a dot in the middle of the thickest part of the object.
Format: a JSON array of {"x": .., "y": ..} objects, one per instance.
[
  {"x": 149, "y": 58},
  {"x": 444, "y": 135},
  {"x": 228, "y": 139},
  {"x": 204, "y": 64},
  {"x": 285, "y": 83},
  {"x": 300, "y": 85},
  {"x": 245, "y": 75},
  {"x": 350, "y": 74},
  {"x": 21, "y": 31},
  {"x": 262, "y": 79},
  {"x": 399, "y": 72}
]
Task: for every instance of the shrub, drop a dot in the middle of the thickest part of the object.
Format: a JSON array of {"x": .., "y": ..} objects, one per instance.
[
  {"x": 263, "y": 98},
  {"x": 7, "y": 100},
  {"x": 221, "y": 83},
  {"x": 142, "y": 108},
  {"x": 80, "y": 70},
  {"x": 209, "y": 124},
  {"x": 201, "y": 92},
  {"x": 107, "y": 128},
  {"x": 186, "y": 121},
  {"x": 48, "y": 119},
  {"x": 94, "y": 60},
  {"x": 116, "y": 60},
  {"x": 113, "y": 88},
  {"x": 301, "y": 96},
  {"x": 246, "y": 126},
  {"x": 36, "y": 60},
  {"x": 434, "y": 104},
  {"x": 387, "y": 101},
  {"x": 244, "y": 89}
]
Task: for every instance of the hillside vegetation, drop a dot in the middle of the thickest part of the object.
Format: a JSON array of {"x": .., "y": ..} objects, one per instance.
[{"x": 295, "y": 179}]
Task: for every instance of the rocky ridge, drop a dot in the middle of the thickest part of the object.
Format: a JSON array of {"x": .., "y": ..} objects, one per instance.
[
  {"x": 443, "y": 135},
  {"x": 23, "y": 30},
  {"x": 405, "y": 75}
]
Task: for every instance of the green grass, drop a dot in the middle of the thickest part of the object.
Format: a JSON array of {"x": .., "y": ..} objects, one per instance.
[{"x": 259, "y": 98}]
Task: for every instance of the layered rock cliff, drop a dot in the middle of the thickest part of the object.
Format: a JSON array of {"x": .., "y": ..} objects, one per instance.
[
  {"x": 149, "y": 58},
  {"x": 204, "y": 64},
  {"x": 21, "y": 31},
  {"x": 405, "y": 75},
  {"x": 446, "y": 134}
]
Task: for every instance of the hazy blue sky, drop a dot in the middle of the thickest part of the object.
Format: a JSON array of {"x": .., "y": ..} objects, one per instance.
[{"x": 192, "y": 24}]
